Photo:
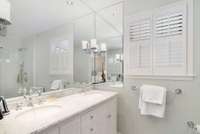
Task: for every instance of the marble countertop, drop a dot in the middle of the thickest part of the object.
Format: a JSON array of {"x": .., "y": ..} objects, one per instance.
[{"x": 69, "y": 106}]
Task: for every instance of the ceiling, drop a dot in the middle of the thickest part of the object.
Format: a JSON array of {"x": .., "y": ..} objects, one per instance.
[{"x": 34, "y": 16}]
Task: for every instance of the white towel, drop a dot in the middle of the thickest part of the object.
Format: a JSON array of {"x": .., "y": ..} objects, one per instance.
[
  {"x": 153, "y": 94},
  {"x": 152, "y": 100},
  {"x": 57, "y": 84}
]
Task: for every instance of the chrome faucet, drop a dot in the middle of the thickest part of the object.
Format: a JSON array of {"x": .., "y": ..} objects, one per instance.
[
  {"x": 3, "y": 107},
  {"x": 28, "y": 99}
]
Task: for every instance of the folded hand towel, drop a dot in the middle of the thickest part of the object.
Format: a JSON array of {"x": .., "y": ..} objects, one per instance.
[
  {"x": 153, "y": 94},
  {"x": 155, "y": 103}
]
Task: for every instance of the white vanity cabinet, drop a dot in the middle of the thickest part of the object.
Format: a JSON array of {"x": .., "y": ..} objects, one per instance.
[
  {"x": 100, "y": 119},
  {"x": 92, "y": 122},
  {"x": 71, "y": 127},
  {"x": 110, "y": 116}
]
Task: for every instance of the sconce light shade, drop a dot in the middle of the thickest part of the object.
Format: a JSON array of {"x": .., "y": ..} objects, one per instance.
[
  {"x": 103, "y": 47},
  {"x": 5, "y": 12},
  {"x": 85, "y": 45},
  {"x": 93, "y": 44}
]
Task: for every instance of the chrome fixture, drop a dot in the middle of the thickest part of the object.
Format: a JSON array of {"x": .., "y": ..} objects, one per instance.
[
  {"x": 39, "y": 91},
  {"x": 70, "y": 3},
  {"x": 28, "y": 99},
  {"x": 92, "y": 48},
  {"x": 192, "y": 125},
  {"x": 3, "y": 107},
  {"x": 5, "y": 19},
  {"x": 5, "y": 12},
  {"x": 92, "y": 45},
  {"x": 177, "y": 91},
  {"x": 19, "y": 106}
]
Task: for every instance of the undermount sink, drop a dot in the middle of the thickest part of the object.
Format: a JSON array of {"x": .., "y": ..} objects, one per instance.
[{"x": 41, "y": 113}]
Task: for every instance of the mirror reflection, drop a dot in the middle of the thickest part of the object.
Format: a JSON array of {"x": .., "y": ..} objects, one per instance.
[{"x": 44, "y": 49}]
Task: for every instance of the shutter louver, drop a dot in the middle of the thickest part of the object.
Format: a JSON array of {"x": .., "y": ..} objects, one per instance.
[
  {"x": 169, "y": 25},
  {"x": 140, "y": 30}
]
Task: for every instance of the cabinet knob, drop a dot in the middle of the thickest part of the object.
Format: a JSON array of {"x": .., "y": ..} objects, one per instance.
[
  {"x": 91, "y": 117},
  {"x": 91, "y": 129},
  {"x": 109, "y": 116}
]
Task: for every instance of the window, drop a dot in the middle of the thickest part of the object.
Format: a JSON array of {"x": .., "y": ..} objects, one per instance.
[{"x": 158, "y": 42}]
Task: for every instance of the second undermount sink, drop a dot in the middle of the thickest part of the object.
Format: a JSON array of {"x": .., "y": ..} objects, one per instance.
[{"x": 40, "y": 113}]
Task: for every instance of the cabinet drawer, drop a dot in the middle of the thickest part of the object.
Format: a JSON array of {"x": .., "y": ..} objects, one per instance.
[
  {"x": 101, "y": 120},
  {"x": 91, "y": 122}
]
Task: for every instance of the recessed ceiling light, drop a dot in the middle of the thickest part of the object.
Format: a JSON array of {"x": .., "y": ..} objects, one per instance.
[{"x": 69, "y": 2}]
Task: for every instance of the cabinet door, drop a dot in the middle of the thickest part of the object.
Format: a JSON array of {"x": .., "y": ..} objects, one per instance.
[
  {"x": 110, "y": 117},
  {"x": 92, "y": 122},
  {"x": 71, "y": 126}
]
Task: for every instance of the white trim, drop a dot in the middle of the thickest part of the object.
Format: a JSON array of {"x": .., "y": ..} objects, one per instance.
[
  {"x": 190, "y": 37},
  {"x": 161, "y": 77}
]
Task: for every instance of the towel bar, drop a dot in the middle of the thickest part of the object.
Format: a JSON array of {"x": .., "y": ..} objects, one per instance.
[{"x": 177, "y": 91}]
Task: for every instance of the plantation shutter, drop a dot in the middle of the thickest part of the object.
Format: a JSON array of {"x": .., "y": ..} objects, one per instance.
[{"x": 170, "y": 41}]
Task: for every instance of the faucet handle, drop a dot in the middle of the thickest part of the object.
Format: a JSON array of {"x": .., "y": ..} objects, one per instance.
[
  {"x": 5, "y": 106},
  {"x": 39, "y": 92},
  {"x": 1, "y": 114},
  {"x": 19, "y": 106}
]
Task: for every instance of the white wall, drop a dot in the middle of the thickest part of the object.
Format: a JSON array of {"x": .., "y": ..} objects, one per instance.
[
  {"x": 133, "y": 6},
  {"x": 180, "y": 109}
]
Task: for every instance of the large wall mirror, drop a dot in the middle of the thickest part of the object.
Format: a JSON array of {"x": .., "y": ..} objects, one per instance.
[{"x": 59, "y": 44}]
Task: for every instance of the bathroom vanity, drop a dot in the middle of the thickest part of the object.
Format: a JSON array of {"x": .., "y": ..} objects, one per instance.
[{"x": 91, "y": 112}]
